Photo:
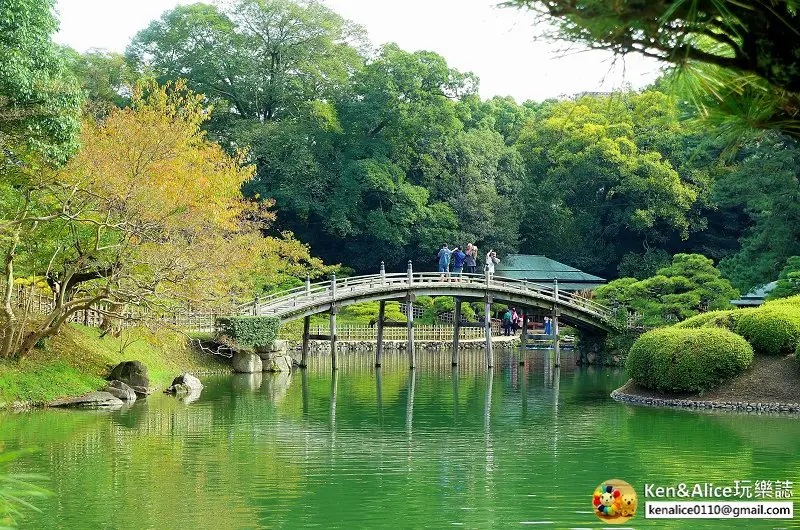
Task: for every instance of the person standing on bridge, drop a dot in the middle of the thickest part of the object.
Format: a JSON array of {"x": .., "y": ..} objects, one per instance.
[
  {"x": 458, "y": 262},
  {"x": 491, "y": 261},
  {"x": 444, "y": 260},
  {"x": 470, "y": 256}
]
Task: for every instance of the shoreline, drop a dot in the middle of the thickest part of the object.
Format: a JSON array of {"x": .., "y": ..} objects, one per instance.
[
  {"x": 627, "y": 394},
  {"x": 770, "y": 384},
  {"x": 25, "y": 406},
  {"x": 193, "y": 362}
]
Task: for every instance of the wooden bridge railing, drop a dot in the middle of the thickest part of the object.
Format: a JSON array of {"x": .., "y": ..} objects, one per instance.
[{"x": 311, "y": 294}]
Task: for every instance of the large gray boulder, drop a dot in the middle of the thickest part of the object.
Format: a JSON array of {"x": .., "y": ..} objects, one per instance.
[
  {"x": 90, "y": 400},
  {"x": 245, "y": 362},
  {"x": 185, "y": 384},
  {"x": 277, "y": 347},
  {"x": 277, "y": 362},
  {"x": 120, "y": 390},
  {"x": 134, "y": 374}
]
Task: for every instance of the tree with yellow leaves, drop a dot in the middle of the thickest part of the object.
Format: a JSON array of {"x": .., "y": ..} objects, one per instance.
[{"x": 147, "y": 217}]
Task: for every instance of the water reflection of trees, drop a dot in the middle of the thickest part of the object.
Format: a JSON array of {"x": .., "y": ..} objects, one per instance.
[{"x": 252, "y": 447}]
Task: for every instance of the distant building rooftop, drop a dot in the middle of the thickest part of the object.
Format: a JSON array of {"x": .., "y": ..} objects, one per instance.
[
  {"x": 541, "y": 269},
  {"x": 591, "y": 94},
  {"x": 755, "y": 297}
]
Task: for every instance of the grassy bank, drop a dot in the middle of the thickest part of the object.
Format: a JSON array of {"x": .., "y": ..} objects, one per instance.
[
  {"x": 78, "y": 360},
  {"x": 767, "y": 380}
]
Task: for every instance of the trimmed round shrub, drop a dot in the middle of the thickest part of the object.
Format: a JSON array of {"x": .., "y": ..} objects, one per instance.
[
  {"x": 687, "y": 360},
  {"x": 771, "y": 329},
  {"x": 727, "y": 319}
]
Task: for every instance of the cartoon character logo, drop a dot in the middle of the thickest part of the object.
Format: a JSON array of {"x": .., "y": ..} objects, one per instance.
[{"x": 614, "y": 501}]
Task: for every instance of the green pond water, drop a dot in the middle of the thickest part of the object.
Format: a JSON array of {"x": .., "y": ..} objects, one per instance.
[{"x": 519, "y": 447}]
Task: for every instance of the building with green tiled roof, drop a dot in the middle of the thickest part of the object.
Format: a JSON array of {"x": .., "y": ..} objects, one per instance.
[
  {"x": 541, "y": 269},
  {"x": 756, "y": 297}
]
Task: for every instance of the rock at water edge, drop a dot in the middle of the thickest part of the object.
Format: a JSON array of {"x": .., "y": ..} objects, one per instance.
[
  {"x": 92, "y": 400},
  {"x": 134, "y": 374},
  {"x": 185, "y": 383},
  {"x": 279, "y": 347},
  {"x": 246, "y": 363},
  {"x": 121, "y": 391},
  {"x": 277, "y": 363}
]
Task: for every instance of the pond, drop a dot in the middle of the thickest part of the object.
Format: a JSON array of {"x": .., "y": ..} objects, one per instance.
[{"x": 522, "y": 445}]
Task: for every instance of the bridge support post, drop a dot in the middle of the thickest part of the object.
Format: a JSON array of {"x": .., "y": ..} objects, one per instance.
[
  {"x": 334, "y": 310},
  {"x": 306, "y": 331},
  {"x": 412, "y": 358},
  {"x": 456, "y": 328},
  {"x": 488, "y": 330},
  {"x": 556, "y": 345},
  {"x": 523, "y": 340},
  {"x": 379, "y": 346}
]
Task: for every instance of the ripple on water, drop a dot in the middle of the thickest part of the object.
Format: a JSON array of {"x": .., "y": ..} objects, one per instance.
[{"x": 447, "y": 448}]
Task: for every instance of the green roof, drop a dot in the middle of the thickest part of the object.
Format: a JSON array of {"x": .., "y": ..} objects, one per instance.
[
  {"x": 756, "y": 296},
  {"x": 542, "y": 269}
]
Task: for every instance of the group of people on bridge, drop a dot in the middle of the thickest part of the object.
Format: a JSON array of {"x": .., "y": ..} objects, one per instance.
[{"x": 455, "y": 262}]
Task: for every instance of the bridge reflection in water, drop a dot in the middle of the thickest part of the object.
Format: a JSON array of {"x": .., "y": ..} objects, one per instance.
[{"x": 519, "y": 372}]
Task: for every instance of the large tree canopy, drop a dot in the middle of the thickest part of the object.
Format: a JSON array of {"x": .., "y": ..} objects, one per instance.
[
  {"x": 603, "y": 180},
  {"x": 39, "y": 101},
  {"x": 752, "y": 47},
  {"x": 262, "y": 59}
]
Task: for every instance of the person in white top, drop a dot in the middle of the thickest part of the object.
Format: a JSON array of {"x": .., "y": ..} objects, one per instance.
[{"x": 491, "y": 261}]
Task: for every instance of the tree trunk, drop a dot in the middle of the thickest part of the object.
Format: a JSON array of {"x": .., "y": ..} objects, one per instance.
[{"x": 9, "y": 318}]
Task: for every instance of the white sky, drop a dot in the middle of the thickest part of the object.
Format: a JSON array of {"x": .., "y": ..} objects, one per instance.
[{"x": 473, "y": 35}]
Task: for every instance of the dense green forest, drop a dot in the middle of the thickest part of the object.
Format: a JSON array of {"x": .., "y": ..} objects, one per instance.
[
  {"x": 383, "y": 154},
  {"x": 372, "y": 154}
]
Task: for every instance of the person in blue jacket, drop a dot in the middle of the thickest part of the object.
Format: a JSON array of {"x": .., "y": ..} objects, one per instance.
[
  {"x": 444, "y": 260},
  {"x": 458, "y": 262}
]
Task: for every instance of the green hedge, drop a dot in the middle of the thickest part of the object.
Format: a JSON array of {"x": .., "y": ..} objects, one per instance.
[
  {"x": 253, "y": 331},
  {"x": 687, "y": 360},
  {"x": 772, "y": 329},
  {"x": 726, "y": 319}
]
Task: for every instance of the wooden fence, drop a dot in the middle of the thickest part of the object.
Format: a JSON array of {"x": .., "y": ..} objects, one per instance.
[
  {"x": 365, "y": 332},
  {"x": 32, "y": 299},
  {"x": 203, "y": 321}
]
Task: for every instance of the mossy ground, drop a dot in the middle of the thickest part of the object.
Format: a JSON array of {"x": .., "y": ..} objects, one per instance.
[{"x": 78, "y": 360}]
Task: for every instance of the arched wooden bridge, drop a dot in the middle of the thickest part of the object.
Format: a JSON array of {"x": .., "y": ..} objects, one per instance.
[{"x": 330, "y": 296}]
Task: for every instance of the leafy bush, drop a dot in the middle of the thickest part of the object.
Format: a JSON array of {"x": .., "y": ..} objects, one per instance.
[
  {"x": 687, "y": 360},
  {"x": 788, "y": 281},
  {"x": 367, "y": 312},
  {"x": 443, "y": 304},
  {"x": 424, "y": 302},
  {"x": 772, "y": 329},
  {"x": 714, "y": 319},
  {"x": 251, "y": 331},
  {"x": 689, "y": 285}
]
